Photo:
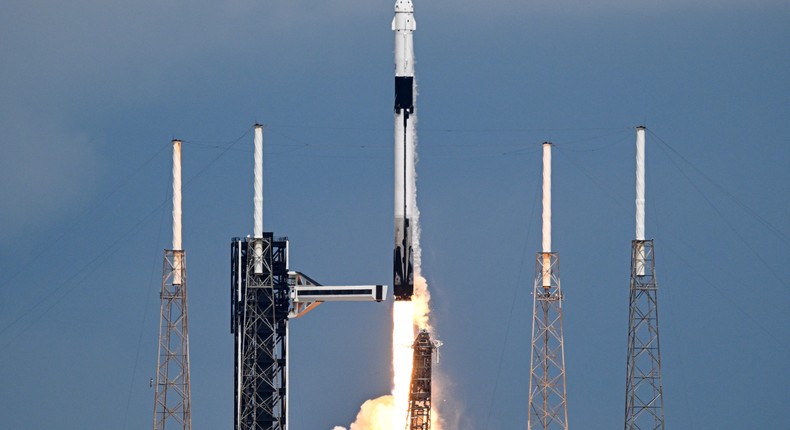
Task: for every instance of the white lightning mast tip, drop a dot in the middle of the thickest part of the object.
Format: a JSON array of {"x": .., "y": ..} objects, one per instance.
[
  {"x": 176, "y": 195},
  {"x": 257, "y": 230},
  {"x": 640, "y": 200},
  {"x": 640, "y": 183},
  {"x": 258, "y": 185},
  {"x": 546, "y": 196},
  {"x": 546, "y": 214}
]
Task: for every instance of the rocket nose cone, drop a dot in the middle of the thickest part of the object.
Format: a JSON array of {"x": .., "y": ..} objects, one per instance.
[{"x": 404, "y": 6}]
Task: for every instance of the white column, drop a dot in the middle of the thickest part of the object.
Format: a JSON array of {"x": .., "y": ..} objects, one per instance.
[
  {"x": 176, "y": 195},
  {"x": 640, "y": 200},
  {"x": 640, "y": 183},
  {"x": 257, "y": 230},
  {"x": 177, "y": 245},
  {"x": 546, "y": 214}
]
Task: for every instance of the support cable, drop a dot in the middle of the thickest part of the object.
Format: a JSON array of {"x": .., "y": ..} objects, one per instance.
[
  {"x": 145, "y": 317},
  {"x": 101, "y": 256},
  {"x": 707, "y": 281},
  {"x": 516, "y": 290},
  {"x": 81, "y": 217},
  {"x": 726, "y": 221},
  {"x": 724, "y": 191}
]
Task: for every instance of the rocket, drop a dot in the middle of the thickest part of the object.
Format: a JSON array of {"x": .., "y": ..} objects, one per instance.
[{"x": 405, "y": 196}]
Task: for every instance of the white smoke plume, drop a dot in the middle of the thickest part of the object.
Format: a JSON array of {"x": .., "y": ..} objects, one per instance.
[
  {"x": 374, "y": 414},
  {"x": 421, "y": 300}
]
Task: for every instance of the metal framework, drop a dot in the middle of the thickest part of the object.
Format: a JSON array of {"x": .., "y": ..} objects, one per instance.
[
  {"x": 260, "y": 306},
  {"x": 420, "y": 388},
  {"x": 548, "y": 407},
  {"x": 644, "y": 400},
  {"x": 172, "y": 408}
]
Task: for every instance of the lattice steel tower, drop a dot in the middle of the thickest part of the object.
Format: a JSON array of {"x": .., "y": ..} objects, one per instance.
[
  {"x": 420, "y": 388},
  {"x": 548, "y": 408},
  {"x": 260, "y": 316},
  {"x": 644, "y": 400},
  {"x": 172, "y": 406}
]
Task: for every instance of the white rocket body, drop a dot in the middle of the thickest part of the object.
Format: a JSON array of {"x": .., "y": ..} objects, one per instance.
[{"x": 403, "y": 25}]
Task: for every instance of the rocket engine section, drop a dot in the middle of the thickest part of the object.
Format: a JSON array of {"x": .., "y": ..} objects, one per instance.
[{"x": 403, "y": 277}]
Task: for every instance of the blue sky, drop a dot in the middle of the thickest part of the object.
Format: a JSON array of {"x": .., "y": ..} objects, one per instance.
[{"x": 93, "y": 92}]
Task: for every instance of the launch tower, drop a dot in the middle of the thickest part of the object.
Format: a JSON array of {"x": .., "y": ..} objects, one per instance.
[
  {"x": 172, "y": 410},
  {"x": 548, "y": 408},
  {"x": 265, "y": 294},
  {"x": 644, "y": 400},
  {"x": 259, "y": 312},
  {"x": 420, "y": 389}
]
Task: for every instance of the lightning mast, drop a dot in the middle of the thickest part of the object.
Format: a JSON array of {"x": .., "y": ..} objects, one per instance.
[
  {"x": 644, "y": 400},
  {"x": 548, "y": 407},
  {"x": 172, "y": 406}
]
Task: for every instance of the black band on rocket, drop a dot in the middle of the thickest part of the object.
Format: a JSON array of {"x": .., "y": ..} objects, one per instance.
[{"x": 404, "y": 93}]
